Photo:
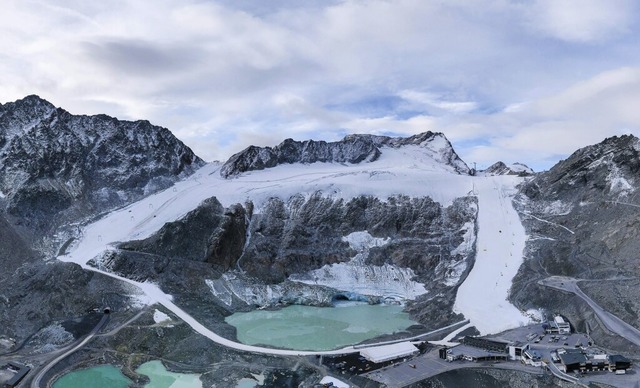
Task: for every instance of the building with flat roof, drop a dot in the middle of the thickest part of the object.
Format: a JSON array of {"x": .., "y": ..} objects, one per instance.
[
  {"x": 531, "y": 357},
  {"x": 576, "y": 360},
  {"x": 493, "y": 345},
  {"x": 558, "y": 326},
  {"x": 384, "y": 353},
  {"x": 18, "y": 370},
  {"x": 516, "y": 349},
  {"x": 572, "y": 361},
  {"x": 618, "y": 362},
  {"x": 471, "y": 353}
]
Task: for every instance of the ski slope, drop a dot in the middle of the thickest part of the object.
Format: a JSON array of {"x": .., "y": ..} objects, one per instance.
[
  {"x": 482, "y": 298},
  {"x": 406, "y": 170},
  {"x": 398, "y": 171}
]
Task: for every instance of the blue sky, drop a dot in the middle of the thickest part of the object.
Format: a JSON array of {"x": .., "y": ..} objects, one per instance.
[{"x": 519, "y": 81}]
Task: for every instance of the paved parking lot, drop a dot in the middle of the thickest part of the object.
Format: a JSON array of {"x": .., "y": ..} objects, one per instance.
[{"x": 429, "y": 365}]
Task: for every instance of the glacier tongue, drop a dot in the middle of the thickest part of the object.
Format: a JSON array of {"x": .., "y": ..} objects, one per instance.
[{"x": 386, "y": 281}]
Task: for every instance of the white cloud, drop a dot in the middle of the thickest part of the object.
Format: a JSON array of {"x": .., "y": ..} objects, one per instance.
[
  {"x": 581, "y": 20},
  {"x": 430, "y": 100},
  {"x": 540, "y": 131},
  {"x": 502, "y": 79}
]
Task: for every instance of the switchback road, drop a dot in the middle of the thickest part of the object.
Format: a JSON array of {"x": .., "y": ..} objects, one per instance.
[{"x": 610, "y": 321}]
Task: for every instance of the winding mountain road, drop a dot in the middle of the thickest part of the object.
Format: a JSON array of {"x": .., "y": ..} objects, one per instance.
[
  {"x": 36, "y": 382},
  {"x": 610, "y": 321}
]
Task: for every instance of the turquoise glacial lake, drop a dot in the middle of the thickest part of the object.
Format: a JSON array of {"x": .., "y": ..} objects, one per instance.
[
  {"x": 109, "y": 376},
  {"x": 103, "y": 376},
  {"x": 318, "y": 328}
]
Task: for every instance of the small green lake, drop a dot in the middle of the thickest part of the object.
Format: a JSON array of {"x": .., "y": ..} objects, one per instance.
[
  {"x": 318, "y": 328},
  {"x": 162, "y": 378},
  {"x": 102, "y": 376},
  {"x": 109, "y": 376}
]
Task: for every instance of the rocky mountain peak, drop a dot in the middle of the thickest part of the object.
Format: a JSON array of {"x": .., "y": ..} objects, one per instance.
[
  {"x": 22, "y": 114},
  {"x": 355, "y": 148},
  {"x": 500, "y": 168},
  {"x": 607, "y": 168},
  {"x": 53, "y": 161},
  {"x": 31, "y": 102}
]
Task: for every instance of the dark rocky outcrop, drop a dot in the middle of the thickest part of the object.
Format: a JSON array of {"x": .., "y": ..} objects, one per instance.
[
  {"x": 55, "y": 166},
  {"x": 490, "y": 378},
  {"x": 210, "y": 233},
  {"x": 583, "y": 219},
  {"x": 302, "y": 234},
  {"x": 352, "y": 149},
  {"x": 57, "y": 170},
  {"x": 37, "y": 295},
  {"x": 285, "y": 237}
]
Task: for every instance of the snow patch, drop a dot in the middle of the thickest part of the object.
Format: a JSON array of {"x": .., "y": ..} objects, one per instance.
[
  {"x": 557, "y": 208},
  {"x": 453, "y": 270},
  {"x": 333, "y": 382},
  {"x": 617, "y": 182},
  {"x": 535, "y": 315},
  {"x": 361, "y": 241},
  {"x": 386, "y": 281},
  {"x": 233, "y": 284},
  {"x": 259, "y": 378},
  {"x": 520, "y": 168},
  {"x": 220, "y": 290},
  {"x": 139, "y": 300},
  {"x": 159, "y": 317}
]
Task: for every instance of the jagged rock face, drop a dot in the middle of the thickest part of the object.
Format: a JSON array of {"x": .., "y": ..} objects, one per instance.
[
  {"x": 582, "y": 218},
  {"x": 13, "y": 248},
  {"x": 210, "y": 233},
  {"x": 352, "y": 149},
  {"x": 52, "y": 161},
  {"x": 35, "y": 295},
  {"x": 303, "y": 234},
  {"x": 500, "y": 168},
  {"x": 271, "y": 252}
]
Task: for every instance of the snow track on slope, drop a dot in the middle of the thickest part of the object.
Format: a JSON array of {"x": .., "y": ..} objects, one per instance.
[{"x": 482, "y": 297}]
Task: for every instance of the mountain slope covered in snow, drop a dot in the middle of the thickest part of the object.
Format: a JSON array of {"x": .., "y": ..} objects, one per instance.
[
  {"x": 367, "y": 219},
  {"x": 352, "y": 149},
  {"x": 288, "y": 240}
]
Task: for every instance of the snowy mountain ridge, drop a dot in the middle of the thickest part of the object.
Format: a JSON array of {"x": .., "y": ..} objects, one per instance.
[
  {"x": 353, "y": 149},
  {"x": 501, "y": 168}
]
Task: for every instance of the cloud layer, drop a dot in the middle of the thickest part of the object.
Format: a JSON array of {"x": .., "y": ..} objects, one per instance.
[{"x": 526, "y": 81}]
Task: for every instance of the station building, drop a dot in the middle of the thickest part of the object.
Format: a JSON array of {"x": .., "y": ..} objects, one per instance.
[
  {"x": 576, "y": 360},
  {"x": 558, "y": 326},
  {"x": 379, "y": 354}
]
